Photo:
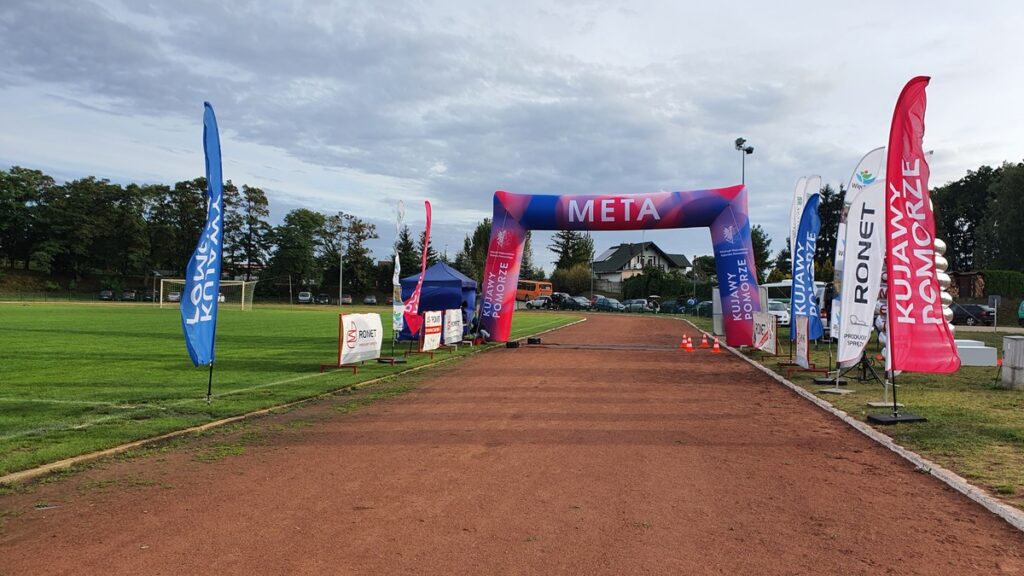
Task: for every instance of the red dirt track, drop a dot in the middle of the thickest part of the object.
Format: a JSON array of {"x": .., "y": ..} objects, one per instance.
[{"x": 567, "y": 458}]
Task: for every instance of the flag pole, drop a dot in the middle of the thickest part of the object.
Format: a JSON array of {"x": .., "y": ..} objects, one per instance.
[{"x": 209, "y": 385}]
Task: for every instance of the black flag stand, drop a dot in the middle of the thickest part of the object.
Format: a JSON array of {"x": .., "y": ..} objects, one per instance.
[
  {"x": 896, "y": 417},
  {"x": 209, "y": 385},
  {"x": 827, "y": 378}
]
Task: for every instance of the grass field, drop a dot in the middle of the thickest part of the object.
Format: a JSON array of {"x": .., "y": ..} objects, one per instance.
[
  {"x": 76, "y": 378},
  {"x": 974, "y": 427}
]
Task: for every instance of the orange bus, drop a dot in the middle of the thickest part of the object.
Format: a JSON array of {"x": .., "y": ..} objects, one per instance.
[{"x": 530, "y": 289}]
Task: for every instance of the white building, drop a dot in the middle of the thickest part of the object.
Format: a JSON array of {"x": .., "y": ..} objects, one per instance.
[{"x": 626, "y": 260}]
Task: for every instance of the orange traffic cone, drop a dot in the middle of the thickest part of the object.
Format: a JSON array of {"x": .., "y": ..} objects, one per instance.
[
  {"x": 682, "y": 343},
  {"x": 704, "y": 340},
  {"x": 716, "y": 349},
  {"x": 689, "y": 344}
]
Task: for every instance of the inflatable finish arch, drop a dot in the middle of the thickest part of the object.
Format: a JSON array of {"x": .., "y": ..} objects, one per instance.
[{"x": 723, "y": 210}]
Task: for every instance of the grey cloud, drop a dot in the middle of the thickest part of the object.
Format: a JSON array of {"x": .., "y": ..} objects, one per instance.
[{"x": 378, "y": 90}]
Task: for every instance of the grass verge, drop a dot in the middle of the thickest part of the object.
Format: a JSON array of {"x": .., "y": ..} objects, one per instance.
[
  {"x": 975, "y": 428},
  {"x": 81, "y": 378}
]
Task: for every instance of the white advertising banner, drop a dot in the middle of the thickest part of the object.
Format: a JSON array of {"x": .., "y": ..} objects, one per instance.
[
  {"x": 802, "y": 345},
  {"x": 796, "y": 209},
  {"x": 452, "y": 327},
  {"x": 431, "y": 331},
  {"x": 864, "y": 263},
  {"x": 805, "y": 186},
  {"x": 870, "y": 170},
  {"x": 764, "y": 332},
  {"x": 361, "y": 337}
]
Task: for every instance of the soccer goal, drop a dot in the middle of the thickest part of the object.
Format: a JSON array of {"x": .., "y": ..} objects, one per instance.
[{"x": 232, "y": 292}]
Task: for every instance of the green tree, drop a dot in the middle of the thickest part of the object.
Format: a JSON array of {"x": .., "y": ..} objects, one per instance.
[
  {"x": 1001, "y": 241},
  {"x": 254, "y": 231},
  {"x": 830, "y": 210},
  {"x": 464, "y": 258},
  {"x": 128, "y": 232},
  {"x": 432, "y": 256},
  {"x": 344, "y": 236},
  {"x": 481, "y": 244},
  {"x": 21, "y": 192},
  {"x": 176, "y": 219},
  {"x": 527, "y": 270},
  {"x": 296, "y": 243},
  {"x": 408, "y": 256},
  {"x": 762, "y": 251},
  {"x": 783, "y": 264},
  {"x": 704, "y": 267},
  {"x": 960, "y": 208},
  {"x": 574, "y": 280},
  {"x": 95, "y": 226},
  {"x": 572, "y": 248}
]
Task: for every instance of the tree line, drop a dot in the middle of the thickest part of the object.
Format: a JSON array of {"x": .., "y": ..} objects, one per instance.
[{"x": 92, "y": 226}]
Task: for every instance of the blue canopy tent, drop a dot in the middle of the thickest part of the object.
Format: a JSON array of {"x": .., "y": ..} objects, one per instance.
[{"x": 444, "y": 288}]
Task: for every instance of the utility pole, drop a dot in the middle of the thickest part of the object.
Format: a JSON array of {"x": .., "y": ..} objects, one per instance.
[
  {"x": 341, "y": 262},
  {"x": 290, "y": 301}
]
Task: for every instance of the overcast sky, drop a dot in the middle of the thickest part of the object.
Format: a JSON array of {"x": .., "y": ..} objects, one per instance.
[{"x": 352, "y": 106}]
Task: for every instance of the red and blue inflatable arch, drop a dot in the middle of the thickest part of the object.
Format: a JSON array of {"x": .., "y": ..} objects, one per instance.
[{"x": 723, "y": 210}]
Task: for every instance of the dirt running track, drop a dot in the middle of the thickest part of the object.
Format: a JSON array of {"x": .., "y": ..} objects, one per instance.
[{"x": 560, "y": 459}]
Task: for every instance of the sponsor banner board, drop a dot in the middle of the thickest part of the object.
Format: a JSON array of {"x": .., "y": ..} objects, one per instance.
[
  {"x": 802, "y": 345},
  {"x": 764, "y": 332},
  {"x": 360, "y": 339},
  {"x": 452, "y": 327},
  {"x": 431, "y": 331}
]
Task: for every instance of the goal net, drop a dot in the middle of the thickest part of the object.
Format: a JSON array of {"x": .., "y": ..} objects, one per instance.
[{"x": 233, "y": 293}]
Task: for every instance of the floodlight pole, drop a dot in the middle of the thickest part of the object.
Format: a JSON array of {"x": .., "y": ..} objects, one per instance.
[
  {"x": 741, "y": 145},
  {"x": 341, "y": 261}
]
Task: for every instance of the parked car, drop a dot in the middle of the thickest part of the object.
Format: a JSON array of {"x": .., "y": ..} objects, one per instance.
[
  {"x": 672, "y": 307},
  {"x": 370, "y": 300},
  {"x": 1020, "y": 313},
  {"x": 559, "y": 300},
  {"x": 780, "y": 310},
  {"x": 128, "y": 295},
  {"x": 346, "y": 299},
  {"x": 149, "y": 296},
  {"x": 704, "y": 308},
  {"x": 539, "y": 302},
  {"x": 576, "y": 303},
  {"x": 305, "y": 298},
  {"x": 609, "y": 305},
  {"x": 174, "y": 296},
  {"x": 106, "y": 295},
  {"x": 584, "y": 303},
  {"x": 323, "y": 299},
  {"x": 973, "y": 314},
  {"x": 637, "y": 305}
]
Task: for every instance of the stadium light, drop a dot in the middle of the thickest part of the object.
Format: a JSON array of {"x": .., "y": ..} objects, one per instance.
[{"x": 741, "y": 145}]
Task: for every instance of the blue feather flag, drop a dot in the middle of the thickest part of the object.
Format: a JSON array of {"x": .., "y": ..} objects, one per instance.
[{"x": 202, "y": 276}]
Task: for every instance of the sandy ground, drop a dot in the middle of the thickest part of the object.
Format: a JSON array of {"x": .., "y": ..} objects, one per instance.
[{"x": 578, "y": 456}]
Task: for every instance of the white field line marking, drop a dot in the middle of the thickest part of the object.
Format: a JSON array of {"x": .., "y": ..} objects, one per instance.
[
  {"x": 186, "y": 401},
  {"x": 1011, "y": 515},
  {"x": 58, "y": 401},
  {"x": 139, "y": 409}
]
